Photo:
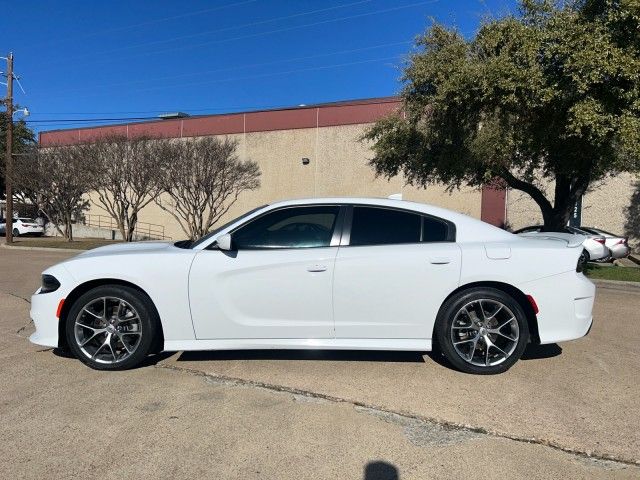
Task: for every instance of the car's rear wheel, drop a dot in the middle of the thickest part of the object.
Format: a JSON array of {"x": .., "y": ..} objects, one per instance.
[
  {"x": 482, "y": 331},
  {"x": 584, "y": 257},
  {"x": 16, "y": 232},
  {"x": 112, "y": 327}
]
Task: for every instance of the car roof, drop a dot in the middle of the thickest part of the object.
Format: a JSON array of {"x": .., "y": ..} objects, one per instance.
[
  {"x": 467, "y": 228},
  {"x": 375, "y": 201}
]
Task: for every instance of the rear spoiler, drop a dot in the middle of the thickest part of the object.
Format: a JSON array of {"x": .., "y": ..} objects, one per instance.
[{"x": 571, "y": 240}]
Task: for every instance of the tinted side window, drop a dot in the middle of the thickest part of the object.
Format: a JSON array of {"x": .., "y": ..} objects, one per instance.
[
  {"x": 298, "y": 227},
  {"x": 380, "y": 226},
  {"x": 434, "y": 230}
]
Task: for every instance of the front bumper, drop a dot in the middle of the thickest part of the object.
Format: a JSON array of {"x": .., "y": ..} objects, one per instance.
[
  {"x": 43, "y": 313},
  {"x": 565, "y": 303},
  {"x": 45, "y": 306}
]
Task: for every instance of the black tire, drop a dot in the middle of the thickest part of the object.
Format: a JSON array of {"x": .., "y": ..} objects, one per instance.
[
  {"x": 455, "y": 304},
  {"x": 149, "y": 325},
  {"x": 584, "y": 258},
  {"x": 16, "y": 232}
]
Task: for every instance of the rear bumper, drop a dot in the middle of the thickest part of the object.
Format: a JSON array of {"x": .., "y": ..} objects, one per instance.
[
  {"x": 565, "y": 303},
  {"x": 597, "y": 251},
  {"x": 31, "y": 231},
  {"x": 620, "y": 251}
]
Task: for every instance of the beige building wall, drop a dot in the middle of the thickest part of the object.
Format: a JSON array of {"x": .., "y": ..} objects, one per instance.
[{"x": 338, "y": 166}]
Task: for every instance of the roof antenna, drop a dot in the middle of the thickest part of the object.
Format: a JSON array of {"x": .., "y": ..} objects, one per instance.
[{"x": 395, "y": 196}]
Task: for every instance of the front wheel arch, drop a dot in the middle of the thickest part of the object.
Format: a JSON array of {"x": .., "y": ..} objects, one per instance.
[
  {"x": 518, "y": 296},
  {"x": 85, "y": 287}
]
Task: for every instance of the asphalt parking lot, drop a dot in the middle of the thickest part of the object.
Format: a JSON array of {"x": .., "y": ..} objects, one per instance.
[{"x": 569, "y": 410}]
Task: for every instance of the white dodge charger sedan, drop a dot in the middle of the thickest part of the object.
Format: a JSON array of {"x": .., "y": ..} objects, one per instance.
[{"x": 333, "y": 273}]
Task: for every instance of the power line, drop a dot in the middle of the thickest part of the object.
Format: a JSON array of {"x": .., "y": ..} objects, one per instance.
[
  {"x": 220, "y": 30},
  {"x": 247, "y": 77},
  {"x": 143, "y": 24},
  {"x": 226, "y": 109},
  {"x": 239, "y": 67},
  {"x": 269, "y": 32}
]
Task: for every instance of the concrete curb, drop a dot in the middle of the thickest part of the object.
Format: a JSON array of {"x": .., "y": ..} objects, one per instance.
[
  {"x": 42, "y": 249},
  {"x": 617, "y": 285}
]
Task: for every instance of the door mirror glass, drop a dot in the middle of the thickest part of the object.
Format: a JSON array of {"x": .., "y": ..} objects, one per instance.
[{"x": 224, "y": 242}]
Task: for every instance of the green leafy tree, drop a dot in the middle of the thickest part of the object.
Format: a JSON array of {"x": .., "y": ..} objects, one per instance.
[
  {"x": 548, "y": 97},
  {"x": 23, "y": 138}
]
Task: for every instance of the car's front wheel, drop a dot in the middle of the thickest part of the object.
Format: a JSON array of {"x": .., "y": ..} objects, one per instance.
[
  {"x": 16, "y": 232},
  {"x": 482, "y": 331},
  {"x": 112, "y": 327}
]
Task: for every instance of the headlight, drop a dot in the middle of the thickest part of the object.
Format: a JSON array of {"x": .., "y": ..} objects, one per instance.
[{"x": 49, "y": 284}]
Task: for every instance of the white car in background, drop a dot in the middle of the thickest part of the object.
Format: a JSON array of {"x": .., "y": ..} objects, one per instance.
[
  {"x": 617, "y": 244},
  {"x": 594, "y": 244},
  {"x": 333, "y": 273},
  {"x": 23, "y": 226}
]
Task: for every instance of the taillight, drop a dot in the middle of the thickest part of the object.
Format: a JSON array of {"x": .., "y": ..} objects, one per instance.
[{"x": 600, "y": 240}]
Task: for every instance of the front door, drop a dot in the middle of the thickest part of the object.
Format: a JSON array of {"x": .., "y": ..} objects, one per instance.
[{"x": 277, "y": 281}]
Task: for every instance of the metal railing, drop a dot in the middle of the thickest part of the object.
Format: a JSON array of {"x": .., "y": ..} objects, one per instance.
[{"x": 151, "y": 231}]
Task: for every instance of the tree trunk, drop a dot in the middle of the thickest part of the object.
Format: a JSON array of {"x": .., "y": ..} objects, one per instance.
[
  {"x": 567, "y": 192},
  {"x": 554, "y": 220},
  {"x": 68, "y": 228},
  {"x": 131, "y": 226},
  {"x": 122, "y": 228}
]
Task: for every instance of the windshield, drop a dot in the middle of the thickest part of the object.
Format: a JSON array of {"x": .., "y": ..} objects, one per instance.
[
  {"x": 222, "y": 227},
  {"x": 27, "y": 220}
]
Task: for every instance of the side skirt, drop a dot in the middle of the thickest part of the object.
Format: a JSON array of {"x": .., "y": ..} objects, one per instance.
[{"x": 409, "y": 344}]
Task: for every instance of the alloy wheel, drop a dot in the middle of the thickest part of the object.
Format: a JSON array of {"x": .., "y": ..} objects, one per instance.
[
  {"x": 108, "y": 330},
  {"x": 485, "y": 332}
]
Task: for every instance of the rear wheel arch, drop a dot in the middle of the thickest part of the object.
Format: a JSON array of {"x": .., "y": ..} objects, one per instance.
[
  {"x": 85, "y": 287},
  {"x": 517, "y": 294}
]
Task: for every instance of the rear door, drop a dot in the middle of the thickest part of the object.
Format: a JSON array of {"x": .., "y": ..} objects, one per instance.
[{"x": 393, "y": 271}]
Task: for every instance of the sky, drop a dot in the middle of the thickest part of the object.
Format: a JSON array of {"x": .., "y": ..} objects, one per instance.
[{"x": 83, "y": 61}]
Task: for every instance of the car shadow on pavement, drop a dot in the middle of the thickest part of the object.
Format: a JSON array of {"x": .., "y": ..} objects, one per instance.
[
  {"x": 537, "y": 352},
  {"x": 316, "y": 355},
  {"x": 150, "y": 360},
  {"x": 532, "y": 352}
]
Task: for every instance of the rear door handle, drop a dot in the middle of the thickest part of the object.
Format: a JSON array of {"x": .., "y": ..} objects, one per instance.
[
  {"x": 316, "y": 268},
  {"x": 439, "y": 260}
]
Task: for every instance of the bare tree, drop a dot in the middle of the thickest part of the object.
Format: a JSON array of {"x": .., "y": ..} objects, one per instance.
[
  {"x": 202, "y": 181},
  {"x": 56, "y": 181},
  {"x": 127, "y": 178}
]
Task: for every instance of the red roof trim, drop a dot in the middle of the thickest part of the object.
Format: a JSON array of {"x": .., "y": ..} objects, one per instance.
[{"x": 322, "y": 115}]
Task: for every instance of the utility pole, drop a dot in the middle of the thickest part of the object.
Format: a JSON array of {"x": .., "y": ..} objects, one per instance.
[{"x": 8, "y": 171}]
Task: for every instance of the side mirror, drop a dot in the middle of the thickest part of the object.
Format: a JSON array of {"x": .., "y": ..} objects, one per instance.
[{"x": 224, "y": 242}]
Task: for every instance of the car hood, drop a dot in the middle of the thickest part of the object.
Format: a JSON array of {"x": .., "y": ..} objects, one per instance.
[
  {"x": 126, "y": 248},
  {"x": 571, "y": 239}
]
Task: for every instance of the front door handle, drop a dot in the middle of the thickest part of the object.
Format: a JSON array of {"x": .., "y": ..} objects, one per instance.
[
  {"x": 316, "y": 268},
  {"x": 439, "y": 260}
]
